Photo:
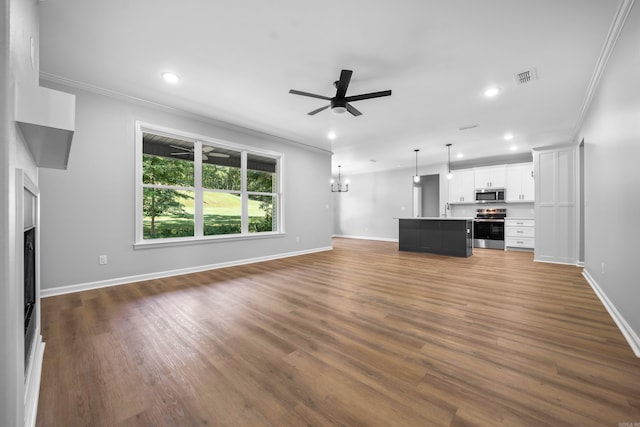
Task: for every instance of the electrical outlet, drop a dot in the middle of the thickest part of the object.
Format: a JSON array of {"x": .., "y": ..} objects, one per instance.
[
  {"x": 602, "y": 266},
  {"x": 103, "y": 260},
  {"x": 297, "y": 239}
]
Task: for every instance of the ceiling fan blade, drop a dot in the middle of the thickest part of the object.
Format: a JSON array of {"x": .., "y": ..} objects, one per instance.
[
  {"x": 204, "y": 158},
  {"x": 368, "y": 96},
  {"x": 206, "y": 149},
  {"x": 181, "y": 154},
  {"x": 181, "y": 148},
  {"x": 318, "y": 110},
  {"x": 221, "y": 155},
  {"x": 353, "y": 110},
  {"x": 343, "y": 83},
  {"x": 312, "y": 95}
]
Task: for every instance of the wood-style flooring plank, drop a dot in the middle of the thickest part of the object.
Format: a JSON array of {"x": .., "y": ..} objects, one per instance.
[{"x": 363, "y": 335}]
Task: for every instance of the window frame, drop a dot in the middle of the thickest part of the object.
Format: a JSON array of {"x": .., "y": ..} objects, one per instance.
[{"x": 199, "y": 141}]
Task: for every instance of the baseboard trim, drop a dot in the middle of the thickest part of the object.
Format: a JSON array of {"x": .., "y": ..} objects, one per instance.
[
  {"x": 381, "y": 239},
  {"x": 44, "y": 293},
  {"x": 628, "y": 333},
  {"x": 32, "y": 383}
]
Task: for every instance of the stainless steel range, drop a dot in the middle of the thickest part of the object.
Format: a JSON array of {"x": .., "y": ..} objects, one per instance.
[{"x": 488, "y": 228}]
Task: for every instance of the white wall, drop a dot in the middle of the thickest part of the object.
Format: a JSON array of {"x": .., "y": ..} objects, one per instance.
[
  {"x": 375, "y": 198},
  {"x": 18, "y": 23},
  {"x": 611, "y": 135},
  {"x": 88, "y": 210}
]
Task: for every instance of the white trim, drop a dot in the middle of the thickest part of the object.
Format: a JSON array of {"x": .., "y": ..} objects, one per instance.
[
  {"x": 609, "y": 44},
  {"x": 183, "y": 241},
  {"x": 198, "y": 140},
  {"x": 47, "y": 77},
  {"x": 44, "y": 293},
  {"x": 32, "y": 367},
  {"x": 32, "y": 383},
  {"x": 556, "y": 262},
  {"x": 629, "y": 334},
  {"x": 381, "y": 239}
]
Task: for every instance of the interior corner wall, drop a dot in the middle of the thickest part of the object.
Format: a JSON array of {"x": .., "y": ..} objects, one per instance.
[
  {"x": 88, "y": 210},
  {"x": 611, "y": 133},
  {"x": 376, "y": 198}
]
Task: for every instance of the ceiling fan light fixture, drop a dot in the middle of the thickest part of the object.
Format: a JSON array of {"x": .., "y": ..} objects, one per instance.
[{"x": 338, "y": 110}]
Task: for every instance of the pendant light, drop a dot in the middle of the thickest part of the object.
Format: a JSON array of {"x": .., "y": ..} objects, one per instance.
[
  {"x": 339, "y": 188},
  {"x": 416, "y": 177},
  {"x": 449, "y": 175}
]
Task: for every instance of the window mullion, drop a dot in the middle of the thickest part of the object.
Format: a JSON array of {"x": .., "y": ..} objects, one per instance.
[
  {"x": 198, "y": 196},
  {"x": 244, "y": 198}
]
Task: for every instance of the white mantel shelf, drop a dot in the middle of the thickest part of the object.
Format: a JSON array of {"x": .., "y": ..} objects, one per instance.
[{"x": 46, "y": 118}]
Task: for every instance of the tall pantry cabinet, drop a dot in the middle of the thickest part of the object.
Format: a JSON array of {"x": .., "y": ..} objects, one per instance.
[{"x": 556, "y": 205}]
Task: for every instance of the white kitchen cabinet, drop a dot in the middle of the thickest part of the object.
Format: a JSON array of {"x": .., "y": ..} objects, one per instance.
[
  {"x": 519, "y": 233},
  {"x": 556, "y": 171},
  {"x": 461, "y": 188},
  {"x": 490, "y": 177},
  {"x": 520, "y": 183}
]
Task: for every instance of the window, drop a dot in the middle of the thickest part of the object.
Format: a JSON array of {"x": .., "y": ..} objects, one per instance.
[{"x": 192, "y": 188}]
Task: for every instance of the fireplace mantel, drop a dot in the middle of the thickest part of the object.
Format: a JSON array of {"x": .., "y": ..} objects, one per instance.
[{"x": 28, "y": 216}]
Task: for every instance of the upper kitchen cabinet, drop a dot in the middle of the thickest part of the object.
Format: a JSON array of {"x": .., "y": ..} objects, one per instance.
[
  {"x": 520, "y": 183},
  {"x": 490, "y": 177},
  {"x": 461, "y": 188}
]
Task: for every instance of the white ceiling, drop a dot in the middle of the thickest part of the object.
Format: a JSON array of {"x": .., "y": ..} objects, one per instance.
[{"x": 238, "y": 59}]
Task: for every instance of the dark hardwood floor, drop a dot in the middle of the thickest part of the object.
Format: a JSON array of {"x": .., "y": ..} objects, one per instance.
[{"x": 363, "y": 335}]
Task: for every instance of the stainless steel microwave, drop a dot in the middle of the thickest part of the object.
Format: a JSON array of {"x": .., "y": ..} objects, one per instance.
[{"x": 490, "y": 195}]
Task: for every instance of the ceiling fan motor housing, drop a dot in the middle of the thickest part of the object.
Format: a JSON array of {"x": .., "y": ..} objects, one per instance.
[{"x": 338, "y": 106}]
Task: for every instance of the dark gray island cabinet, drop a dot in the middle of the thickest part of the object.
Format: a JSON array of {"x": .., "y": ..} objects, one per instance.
[{"x": 444, "y": 236}]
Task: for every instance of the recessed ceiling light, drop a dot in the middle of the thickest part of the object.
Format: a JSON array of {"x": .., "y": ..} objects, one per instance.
[
  {"x": 491, "y": 92},
  {"x": 170, "y": 77},
  {"x": 513, "y": 147},
  {"x": 331, "y": 135},
  {"x": 508, "y": 136},
  {"x": 459, "y": 155}
]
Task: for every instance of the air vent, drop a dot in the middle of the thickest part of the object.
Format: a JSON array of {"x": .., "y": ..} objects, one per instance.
[
  {"x": 467, "y": 127},
  {"x": 526, "y": 76}
]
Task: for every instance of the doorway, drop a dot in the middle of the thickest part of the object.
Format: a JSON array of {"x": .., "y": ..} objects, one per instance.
[{"x": 426, "y": 196}]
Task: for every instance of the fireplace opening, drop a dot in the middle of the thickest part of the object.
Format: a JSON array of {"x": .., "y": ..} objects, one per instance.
[{"x": 29, "y": 290}]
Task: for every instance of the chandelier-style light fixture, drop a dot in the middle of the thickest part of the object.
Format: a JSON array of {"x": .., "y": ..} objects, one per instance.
[
  {"x": 338, "y": 188},
  {"x": 449, "y": 175},
  {"x": 416, "y": 177}
]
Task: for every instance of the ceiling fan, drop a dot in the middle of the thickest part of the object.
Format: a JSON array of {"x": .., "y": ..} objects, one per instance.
[
  {"x": 340, "y": 103},
  {"x": 207, "y": 151}
]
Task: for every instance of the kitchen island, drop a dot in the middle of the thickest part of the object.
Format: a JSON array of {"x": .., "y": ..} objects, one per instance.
[{"x": 444, "y": 236}]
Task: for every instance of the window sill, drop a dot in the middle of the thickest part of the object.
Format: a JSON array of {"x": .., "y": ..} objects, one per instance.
[{"x": 161, "y": 243}]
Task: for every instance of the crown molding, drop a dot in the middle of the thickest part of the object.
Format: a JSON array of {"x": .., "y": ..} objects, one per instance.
[
  {"x": 52, "y": 78},
  {"x": 607, "y": 49}
]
